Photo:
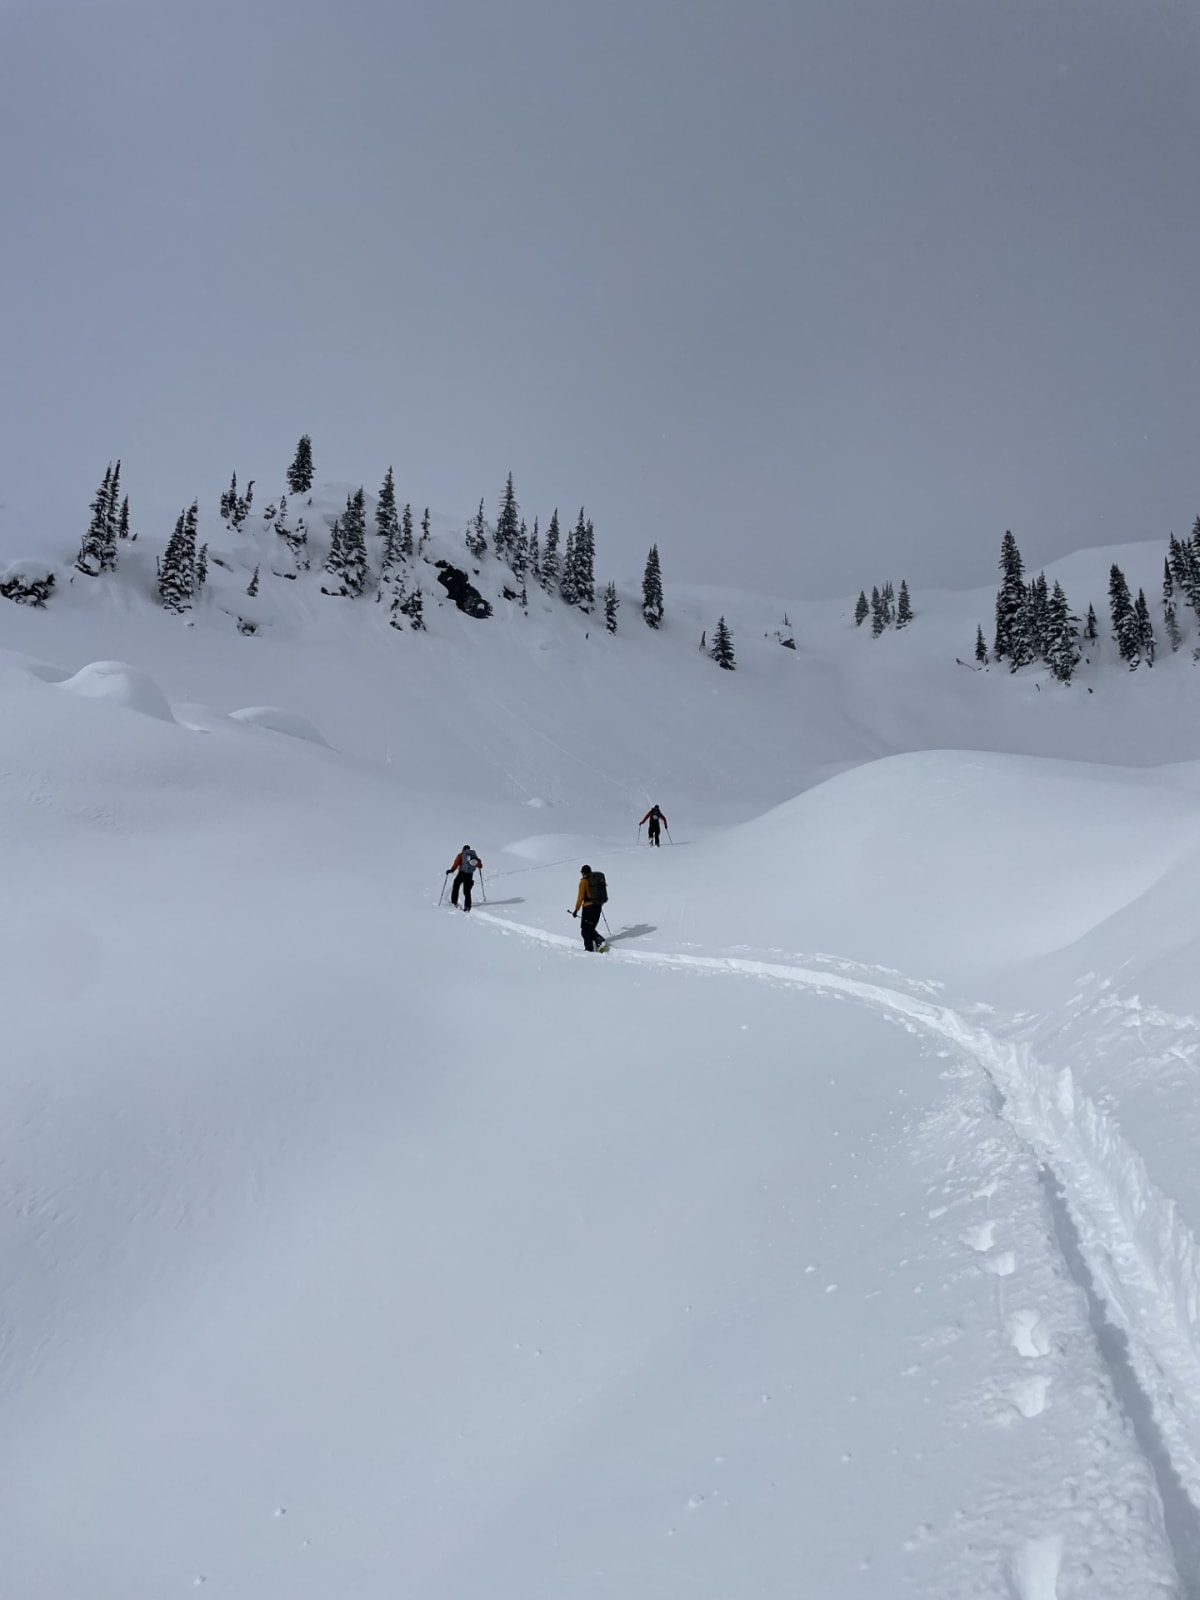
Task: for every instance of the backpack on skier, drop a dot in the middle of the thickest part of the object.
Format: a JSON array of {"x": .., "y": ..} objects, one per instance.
[{"x": 597, "y": 888}]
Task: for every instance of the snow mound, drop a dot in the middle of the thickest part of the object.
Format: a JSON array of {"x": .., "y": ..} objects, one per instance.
[
  {"x": 280, "y": 721},
  {"x": 113, "y": 680}
]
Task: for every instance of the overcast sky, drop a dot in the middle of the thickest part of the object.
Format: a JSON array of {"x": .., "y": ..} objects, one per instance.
[{"x": 812, "y": 292}]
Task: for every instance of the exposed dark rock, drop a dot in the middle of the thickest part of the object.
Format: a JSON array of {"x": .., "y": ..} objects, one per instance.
[{"x": 459, "y": 588}]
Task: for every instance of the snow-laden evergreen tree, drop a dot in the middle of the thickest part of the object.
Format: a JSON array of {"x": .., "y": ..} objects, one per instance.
[
  {"x": 406, "y": 533},
  {"x": 1091, "y": 627},
  {"x": 414, "y": 610},
  {"x": 1170, "y": 620},
  {"x": 535, "y": 553},
  {"x": 703, "y": 641},
  {"x": 611, "y": 603},
  {"x": 519, "y": 556},
  {"x": 652, "y": 590},
  {"x": 235, "y": 507},
  {"x": 112, "y": 523},
  {"x": 1125, "y": 627},
  {"x": 387, "y": 520},
  {"x": 981, "y": 650},
  {"x": 785, "y": 635},
  {"x": 878, "y": 613},
  {"x": 1010, "y": 599},
  {"x": 862, "y": 608},
  {"x": 354, "y": 545},
  {"x": 123, "y": 522},
  {"x": 300, "y": 473},
  {"x": 507, "y": 523},
  {"x": 477, "y": 534},
  {"x": 177, "y": 569},
  {"x": 904, "y": 610},
  {"x": 424, "y": 533},
  {"x": 335, "y": 561},
  {"x": 1145, "y": 628},
  {"x": 1037, "y": 617},
  {"x": 1176, "y": 562},
  {"x": 408, "y": 608},
  {"x": 888, "y": 595},
  {"x": 90, "y": 559},
  {"x": 252, "y": 586},
  {"x": 201, "y": 567},
  {"x": 585, "y": 563},
  {"x": 568, "y": 586},
  {"x": 722, "y": 646},
  {"x": 1062, "y": 636},
  {"x": 551, "y": 563}
]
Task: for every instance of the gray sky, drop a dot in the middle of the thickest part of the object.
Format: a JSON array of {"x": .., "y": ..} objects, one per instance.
[{"x": 812, "y": 292}]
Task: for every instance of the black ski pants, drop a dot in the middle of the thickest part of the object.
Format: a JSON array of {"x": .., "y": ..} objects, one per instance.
[
  {"x": 463, "y": 881},
  {"x": 654, "y": 839},
  {"x": 589, "y": 917}
]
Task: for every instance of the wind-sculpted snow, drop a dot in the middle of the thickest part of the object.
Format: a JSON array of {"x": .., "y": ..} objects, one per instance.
[
  {"x": 121, "y": 685},
  {"x": 277, "y": 720}
]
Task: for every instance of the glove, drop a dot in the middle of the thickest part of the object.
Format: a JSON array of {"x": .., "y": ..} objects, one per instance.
[{"x": 574, "y": 913}]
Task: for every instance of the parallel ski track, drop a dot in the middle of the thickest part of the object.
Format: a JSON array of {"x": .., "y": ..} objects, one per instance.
[{"x": 1141, "y": 1257}]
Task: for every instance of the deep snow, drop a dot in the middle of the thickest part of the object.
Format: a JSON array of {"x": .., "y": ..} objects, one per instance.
[{"x": 833, "y": 1235}]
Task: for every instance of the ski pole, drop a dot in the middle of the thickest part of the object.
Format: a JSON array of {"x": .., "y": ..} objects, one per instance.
[
  {"x": 604, "y": 914},
  {"x": 639, "y": 833},
  {"x": 669, "y": 835},
  {"x": 482, "y": 886},
  {"x": 445, "y": 875}
]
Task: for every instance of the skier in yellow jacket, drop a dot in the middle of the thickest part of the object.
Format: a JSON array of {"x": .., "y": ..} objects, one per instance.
[{"x": 593, "y": 892}]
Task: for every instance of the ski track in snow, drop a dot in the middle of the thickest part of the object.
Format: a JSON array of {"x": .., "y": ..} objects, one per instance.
[{"x": 1129, "y": 1244}]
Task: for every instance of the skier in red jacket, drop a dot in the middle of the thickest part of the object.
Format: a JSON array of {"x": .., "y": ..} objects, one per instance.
[{"x": 656, "y": 819}]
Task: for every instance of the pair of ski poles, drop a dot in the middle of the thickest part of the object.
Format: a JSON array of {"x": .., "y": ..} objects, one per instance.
[
  {"x": 666, "y": 830},
  {"x": 446, "y": 874}
]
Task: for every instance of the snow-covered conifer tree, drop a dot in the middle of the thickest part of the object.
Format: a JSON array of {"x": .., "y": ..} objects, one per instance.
[
  {"x": 387, "y": 522},
  {"x": 1125, "y": 626},
  {"x": 981, "y": 650},
  {"x": 878, "y": 613},
  {"x": 1010, "y": 599},
  {"x": 611, "y": 603},
  {"x": 505, "y": 536},
  {"x": 652, "y": 590},
  {"x": 535, "y": 553},
  {"x": 551, "y": 567},
  {"x": 406, "y": 534},
  {"x": 90, "y": 559},
  {"x": 300, "y": 473},
  {"x": 862, "y": 608},
  {"x": 1145, "y": 628},
  {"x": 722, "y": 647},
  {"x": 904, "y": 611},
  {"x": 477, "y": 534},
  {"x": 1062, "y": 636}
]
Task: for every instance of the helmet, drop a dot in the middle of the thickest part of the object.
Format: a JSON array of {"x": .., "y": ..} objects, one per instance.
[{"x": 585, "y": 870}]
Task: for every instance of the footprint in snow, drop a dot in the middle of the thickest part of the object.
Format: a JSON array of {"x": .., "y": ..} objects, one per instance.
[
  {"x": 1029, "y": 1396},
  {"x": 981, "y": 1236},
  {"x": 1028, "y": 1335}
]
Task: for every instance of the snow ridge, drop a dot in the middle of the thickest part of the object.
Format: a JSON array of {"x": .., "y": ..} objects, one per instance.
[{"x": 1143, "y": 1258}]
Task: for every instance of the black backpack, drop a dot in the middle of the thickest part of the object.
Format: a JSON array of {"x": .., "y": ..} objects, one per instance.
[{"x": 597, "y": 889}]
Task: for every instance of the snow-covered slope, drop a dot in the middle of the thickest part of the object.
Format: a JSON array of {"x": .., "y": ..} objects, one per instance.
[{"x": 355, "y": 1247}]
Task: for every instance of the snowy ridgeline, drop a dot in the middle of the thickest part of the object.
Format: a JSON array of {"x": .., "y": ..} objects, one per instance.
[{"x": 845, "y": 1244}]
